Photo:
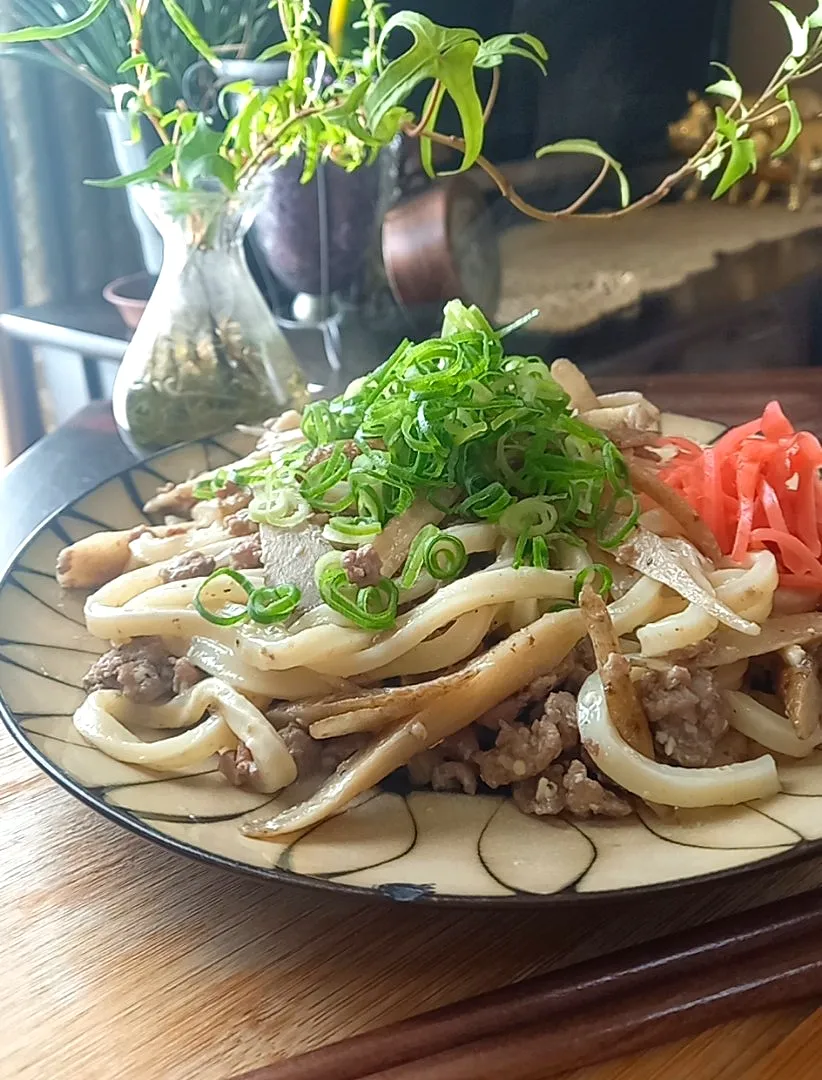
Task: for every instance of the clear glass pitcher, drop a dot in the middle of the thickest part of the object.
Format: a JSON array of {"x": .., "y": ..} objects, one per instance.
[{"x": 208, "y": 353}]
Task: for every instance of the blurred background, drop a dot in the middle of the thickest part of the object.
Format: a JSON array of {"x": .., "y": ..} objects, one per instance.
[{"x": 679, "y": 287}]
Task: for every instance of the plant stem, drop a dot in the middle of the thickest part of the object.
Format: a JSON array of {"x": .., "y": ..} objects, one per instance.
[
  {"x": 492, "y": 96},
  {"x": 434, "y": 99},
  {"x": 261, "y": 154}
]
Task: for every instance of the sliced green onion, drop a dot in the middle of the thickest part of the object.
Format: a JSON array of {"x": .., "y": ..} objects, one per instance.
[
  {"x": 517, "y": 324},
  {"x": 539, "y": 553},
  {"x": 608, "y": 539},
  {"x": 273, "y": 605},
  {"x": 318, "y": 423},
  {"x": 591, "y": 573},
  {"x": 445, "y": 557},
  {"x": 560, "y": 605},
  {"x": 281, "y": 507},
  {"x": 215, "y": 617},
  {"x": 323, "y": 476},
  {"x": 520, "y": 551},
  {"x": 489, "y": 503},
  {"x": 351, "y": 531},
  {"x": 415, "y": 560},
  {"x": 533, "y": 517},
  {"x": 372, "y": 608}
]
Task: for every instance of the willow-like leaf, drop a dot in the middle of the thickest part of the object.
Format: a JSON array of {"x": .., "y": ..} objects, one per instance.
[
  {"x": 189, "y": 31},
  {"x": 158, "y": 161},
  {"x": 797, "y": 30},
  {"x": 588, "y": 146},
  {"x": 794, "y": 123},
  {"x": 493, "y": 51},
  {"x": 59, "y": 30}
]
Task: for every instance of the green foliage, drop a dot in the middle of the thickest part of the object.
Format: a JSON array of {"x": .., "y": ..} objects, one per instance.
[
  {"x": 95, "y": 54},
  {"x": 587, "y": 146}
]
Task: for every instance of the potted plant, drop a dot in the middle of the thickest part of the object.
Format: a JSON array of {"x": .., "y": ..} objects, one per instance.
[
  {"x": 94, "y": 53},
  {"x": 201, "y": 355}
]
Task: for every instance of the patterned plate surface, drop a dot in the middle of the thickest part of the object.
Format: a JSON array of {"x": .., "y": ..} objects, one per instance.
[{"x": 422, "y": 845}]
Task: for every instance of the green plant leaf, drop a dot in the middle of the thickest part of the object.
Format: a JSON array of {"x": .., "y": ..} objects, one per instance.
[
  {"x": 742, "y": 160},
  {"x": 493, "y": 51},
  {"x": 794, "y": 123},
  {"x": 588, "y": 146},
  {"x": 158, "y": 161},
  {"x": 798, "y": 31},
  {"x": 132, "y": 62},
  {"x": 815, "y": 17},
  {"x": 189, "y": 30},
  {"x": 272, "y": 51},
  {"x": 437, "y": 53},
  {"x": 198, "y": 155},
  {"x": 61, "y": 30},
  {"x": 725, "y": 88},
  {"x": 426, "y": 145}
]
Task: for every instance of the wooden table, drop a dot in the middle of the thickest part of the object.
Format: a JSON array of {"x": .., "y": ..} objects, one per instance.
[{"x": 124, "y": 961}]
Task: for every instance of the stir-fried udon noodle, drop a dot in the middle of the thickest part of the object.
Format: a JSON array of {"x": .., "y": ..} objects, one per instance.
[{"x": 469, "y": 572}]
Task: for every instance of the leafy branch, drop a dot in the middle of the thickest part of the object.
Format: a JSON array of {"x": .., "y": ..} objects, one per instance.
[{"x": 346, "y": 108}]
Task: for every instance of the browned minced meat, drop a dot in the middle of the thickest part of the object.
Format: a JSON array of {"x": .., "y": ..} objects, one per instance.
[
  {"x": 141, "y": 669},
  {"x": 237, "y": 766},
  {"x": 189, "y": 565},
  {"x": 363, "y": 566},
  {"x": 323, "y": 453},
  {"x": 536, "y": 691},
  {"x": 246, "y": 554},
  {"x": 561, "y": 710},
  {"x": 568, "y": 787},
  {"x": 240, "y": 524},
  {"x": 232, "y": 497},
  {"x": 319, "y": 757},
  {"x": 186, "y": 675},
  {"x": 686, "y": 711},
  {"x": 173, "y": 498},
  {"x": 448, "y": 766},
  {"x": 521, "y": 751}
]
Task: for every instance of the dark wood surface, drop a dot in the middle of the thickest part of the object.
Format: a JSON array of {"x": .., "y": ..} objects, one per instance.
[{"x": 124, "y": 960}]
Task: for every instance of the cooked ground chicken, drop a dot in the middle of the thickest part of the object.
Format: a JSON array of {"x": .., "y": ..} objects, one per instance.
[
  {"x": 141, "y": 669},
  {"x": 454, "y": 776},
  {"x": 561, "y": 710},
  {"x": 173, "y": 499},
  {"x": 237, "y": 766},
  {"x": 363, "y": 566},
  {"x": 186, "y": 675},
  {"x": 568, "y": 787},
  {"x": 319, "y": 757},
  {"x": 232, "y": 497},
  {"x": 322, "y": 453},
  {"x": 448, "y": 766},
  {"x": 520, "y": 751},
  {"x": 246, "y": 554},
  {"x": 190, "y": 565},
  {"x": 240, "y": 524},
  {"x": 686, "y": 711}
]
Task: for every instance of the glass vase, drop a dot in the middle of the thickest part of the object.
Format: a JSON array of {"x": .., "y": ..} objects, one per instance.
[{"x": 208, "y": 352}]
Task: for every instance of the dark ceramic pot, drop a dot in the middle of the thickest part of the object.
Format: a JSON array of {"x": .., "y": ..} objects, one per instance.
[{"x": 315, "y": 237}]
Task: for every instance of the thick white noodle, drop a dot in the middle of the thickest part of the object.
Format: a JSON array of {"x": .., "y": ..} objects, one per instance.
[
  {"x": 102, "y": 717},
  {"x": 488, "y": 587},
  {"x": 767, "y": 727},
  {"x": 458, "y": 641},
  {"x": 221, "y": 660},
  {"x": 749, "y": 592},
  {"x": 669, "y": 785}
]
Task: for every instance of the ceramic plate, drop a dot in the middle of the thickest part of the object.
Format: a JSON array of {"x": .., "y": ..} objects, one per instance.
[{"x": 417, "y": 845}]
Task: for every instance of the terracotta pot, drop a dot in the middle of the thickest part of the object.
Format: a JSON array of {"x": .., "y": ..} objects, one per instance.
[{"x": 130, "y": 295}]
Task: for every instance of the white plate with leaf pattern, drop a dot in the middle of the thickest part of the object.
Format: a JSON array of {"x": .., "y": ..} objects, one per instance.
[{"x": 408, "y": 845}]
